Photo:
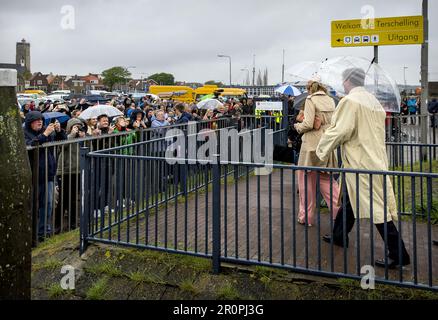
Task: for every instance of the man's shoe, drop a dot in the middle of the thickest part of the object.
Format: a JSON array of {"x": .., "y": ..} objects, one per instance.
[
  {"x": 392, "y": 264},
  {"x": 435, "y": 242},
  {"x": 328, "y": 239}
]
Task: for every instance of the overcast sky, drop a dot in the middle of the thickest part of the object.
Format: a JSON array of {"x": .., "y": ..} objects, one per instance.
[{"x": 184, "y": 37}]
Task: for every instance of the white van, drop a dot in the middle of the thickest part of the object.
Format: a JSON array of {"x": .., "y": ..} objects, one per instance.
[{"x": 65, "y": 92}]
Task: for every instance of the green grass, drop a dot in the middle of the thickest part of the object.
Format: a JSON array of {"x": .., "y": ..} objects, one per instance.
[
  {"x": 108, "y": 268},
  {"x": 55, "y": 291},
  {"x": 188, "y": 286},
  {"x": 227, "y": 292},
  {"x": 98, "y": 290},
  {"x": 144, "y": 277},
  {"x": 52, "y": 245},
  {"x": 50, "y": 264},
  {"x": 403, "y": 191}
]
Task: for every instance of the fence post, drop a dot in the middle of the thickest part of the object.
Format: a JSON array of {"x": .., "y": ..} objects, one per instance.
[
  {"x": 216, "y": 215},
  {"x": 15, "y": 196},
  {"x": 85, "y": 200}
]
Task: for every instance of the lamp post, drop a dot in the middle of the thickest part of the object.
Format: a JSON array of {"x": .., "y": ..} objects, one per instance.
[
  {"x": 225, "y": 56},
  {"x": 127, "y": 69},
  {"x": 247, "y": 75},
  {"x": 404, "y": 76}
]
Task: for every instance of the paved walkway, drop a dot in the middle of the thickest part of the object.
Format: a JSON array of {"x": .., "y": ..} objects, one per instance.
[{"x": 262, "y": 226}]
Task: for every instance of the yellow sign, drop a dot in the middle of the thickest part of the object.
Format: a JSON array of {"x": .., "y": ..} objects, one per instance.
[{"x": 381, "y": 32}]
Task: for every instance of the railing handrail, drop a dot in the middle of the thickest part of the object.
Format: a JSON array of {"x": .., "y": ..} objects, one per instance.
[{"x": 117, "y": 134}]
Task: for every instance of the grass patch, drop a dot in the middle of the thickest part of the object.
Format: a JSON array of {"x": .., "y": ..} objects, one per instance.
[
  {"x": 97, "y": 290},
  {"x": 108, "y": 268},
  {"x": 261, "y": 271},
  {"x": 188, "y": 286},
  {"x": 195, "y": 263},
  {"x": 50, "y": 264},
  {"x": 228, "y": 292},
  {"x": 143, "y": 277},
  {"x": 405, "y": 195},
  {"x": 55, "y": 291},
  {"x": 54, "y": 244}
]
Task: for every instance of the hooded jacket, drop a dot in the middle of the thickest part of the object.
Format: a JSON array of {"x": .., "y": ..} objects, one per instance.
[
  {"x": 133, "y": 117},
  {"x": 69, "y": 159},
  {"x": 35, "y": 138},
  {"x": 184, "y": 118}
]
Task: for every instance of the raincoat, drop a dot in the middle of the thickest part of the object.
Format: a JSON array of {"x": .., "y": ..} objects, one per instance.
[{"x": 358, "y": 126}]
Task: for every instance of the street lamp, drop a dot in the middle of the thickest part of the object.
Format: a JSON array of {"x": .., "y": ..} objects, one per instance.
[
  {"x": 404, "y": 76},
  {"x": 225, "y": 56},
  {"x": 127, "y": 69},
  {"x": 247, "y": 75}
]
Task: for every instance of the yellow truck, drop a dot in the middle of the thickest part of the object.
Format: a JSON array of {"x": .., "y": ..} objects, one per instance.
[
  {"x": 189, "y": 95},
  {"x": 224, "y": 92},
  {"x": 38, "y": 92},
  {"x": 177, "y": 93}
]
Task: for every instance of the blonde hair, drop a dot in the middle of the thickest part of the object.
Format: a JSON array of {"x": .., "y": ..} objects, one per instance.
[{"x": 316, "y": 86}]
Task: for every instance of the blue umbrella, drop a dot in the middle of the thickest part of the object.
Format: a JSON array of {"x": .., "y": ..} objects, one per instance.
[
  {"x": 61, "y": 117},
  {"x": 288, "y": 90}
]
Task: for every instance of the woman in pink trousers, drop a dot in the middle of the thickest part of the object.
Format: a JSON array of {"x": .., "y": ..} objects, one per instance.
[{"x": 318, "y": 111}]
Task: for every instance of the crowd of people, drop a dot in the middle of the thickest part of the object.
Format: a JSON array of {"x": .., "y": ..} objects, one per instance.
[
  {"x": 309, "y": 127},
  {"x": 136, "y": 115}
]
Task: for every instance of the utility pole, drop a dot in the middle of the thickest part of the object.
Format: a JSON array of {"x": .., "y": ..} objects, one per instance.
[
  {"x": 247, "y": 76},
  {"x": 15, "y": 196},
  {"x": 253, "y": 70},
  {"x": 404, "y": 77},
  {"x": 229, "y": 57},
  {"x": 424, "y": 76},
  {"x": 282, "y": 70}
]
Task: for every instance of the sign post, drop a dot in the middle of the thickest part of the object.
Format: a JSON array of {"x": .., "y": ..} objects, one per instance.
[{"x": 424, "y": 77}]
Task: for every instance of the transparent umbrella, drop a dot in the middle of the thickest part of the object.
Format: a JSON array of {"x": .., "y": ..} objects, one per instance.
[
  {"x": 209, "y": 104},
  {"x": 304, "y": 71},
  {"x": 377, "y": 81},
  {"x": 95, "y": 111}
]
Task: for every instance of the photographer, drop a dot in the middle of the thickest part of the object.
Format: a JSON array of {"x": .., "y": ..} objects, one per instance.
[
  {"x": 67, "y": 176},
  {"x": 137, "y": 118},
  {"x": 36, "y": 134},
  {"x": 76, "y": 128}
]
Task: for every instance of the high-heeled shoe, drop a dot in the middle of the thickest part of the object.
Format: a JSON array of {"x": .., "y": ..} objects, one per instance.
[{"x": 303, "y": 222}]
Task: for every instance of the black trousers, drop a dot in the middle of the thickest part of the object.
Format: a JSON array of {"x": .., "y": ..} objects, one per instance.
[{"x": 392, "y": 233}]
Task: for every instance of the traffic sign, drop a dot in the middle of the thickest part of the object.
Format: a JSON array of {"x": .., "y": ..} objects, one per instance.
[{"x": 384, "y": 31}]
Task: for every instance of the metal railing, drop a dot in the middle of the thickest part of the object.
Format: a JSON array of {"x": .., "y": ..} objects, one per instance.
[
  {"x": 59, "y": 209},
  {"x": 251, "y": 218},
  {"x": 56, "y": 200}
]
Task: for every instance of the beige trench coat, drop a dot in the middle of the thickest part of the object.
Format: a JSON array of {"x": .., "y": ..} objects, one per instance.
[
  {"x": 321, "y": 105},
  {"x": 358, "y": 125}
]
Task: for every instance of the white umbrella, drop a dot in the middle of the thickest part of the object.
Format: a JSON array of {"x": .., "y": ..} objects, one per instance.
[
  {"x": 95, "y": 111},
  {"x": 209, "y": 104}
]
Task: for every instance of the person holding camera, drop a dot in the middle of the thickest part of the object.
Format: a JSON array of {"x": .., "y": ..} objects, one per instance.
[
  {"x": 68, "y": 178},
  {"x": 137, "y": 118},
  {"x": 36, "y": 134}
]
